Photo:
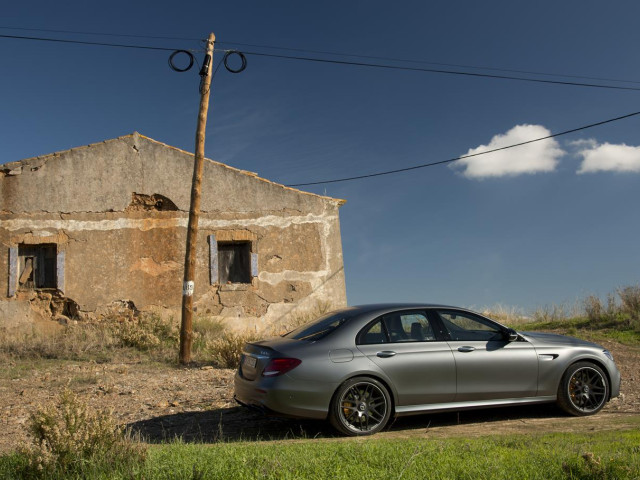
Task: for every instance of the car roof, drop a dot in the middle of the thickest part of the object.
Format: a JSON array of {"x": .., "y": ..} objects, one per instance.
[{"x": 384, "y": 307}]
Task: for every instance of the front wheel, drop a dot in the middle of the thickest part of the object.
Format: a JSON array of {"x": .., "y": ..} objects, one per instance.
[
  {"x": 360, "y": 406},
  {"x": 584, "y": 389}
]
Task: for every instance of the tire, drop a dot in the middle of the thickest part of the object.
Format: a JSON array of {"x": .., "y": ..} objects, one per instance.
[
  {"x": 583, "y": 390},
  {"x": 360, "y": 406}
]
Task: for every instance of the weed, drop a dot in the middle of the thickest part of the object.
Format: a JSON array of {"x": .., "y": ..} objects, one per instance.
[
  {"x": 86, "y": 379},
  {"x": 69, "y": 438},
  {"x": 588, "y": 466}
]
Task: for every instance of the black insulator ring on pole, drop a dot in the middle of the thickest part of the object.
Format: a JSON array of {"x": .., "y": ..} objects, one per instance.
[
  {"x": 178, "y": 69},
  {"x": 242, "y": 57}
]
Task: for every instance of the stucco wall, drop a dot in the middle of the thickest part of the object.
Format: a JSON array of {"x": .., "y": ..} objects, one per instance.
[{"x": 83, "y": 200}]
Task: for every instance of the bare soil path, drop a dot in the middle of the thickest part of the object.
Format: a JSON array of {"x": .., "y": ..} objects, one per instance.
[{"x": 163, "y": 402}]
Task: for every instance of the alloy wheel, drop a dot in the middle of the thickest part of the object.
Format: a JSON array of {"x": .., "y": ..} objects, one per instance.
[
  {"x": 587, "y": 389},
  {"x": 363, "y": 407}
]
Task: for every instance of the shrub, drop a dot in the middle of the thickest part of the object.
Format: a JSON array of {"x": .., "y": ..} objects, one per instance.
[
  {"x": 225, "y": 351},
  {"x": 70, "y": 438},
  {"x": 630, "y": 298},
  {"x": 593, "y": 308},
  {"x": 144, "y": 332},
  {"x": 622, "y": 310}
]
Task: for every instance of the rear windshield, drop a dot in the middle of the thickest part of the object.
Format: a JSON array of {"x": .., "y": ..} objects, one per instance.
[{"x": 319, "y": 328}]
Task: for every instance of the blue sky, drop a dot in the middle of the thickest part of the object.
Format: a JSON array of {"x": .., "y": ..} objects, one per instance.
[{"x": 547, "y": 223}]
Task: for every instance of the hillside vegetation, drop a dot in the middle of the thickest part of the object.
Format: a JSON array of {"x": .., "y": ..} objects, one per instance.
[{"x": 616, "y": 318}]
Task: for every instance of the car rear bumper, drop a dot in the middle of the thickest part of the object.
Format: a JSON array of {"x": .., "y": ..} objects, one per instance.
[{"x": 284, "y": 396}]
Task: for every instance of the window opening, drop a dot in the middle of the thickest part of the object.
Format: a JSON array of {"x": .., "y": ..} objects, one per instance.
[
  {"x": 37, "y": 266},
  {"x": 234, "y": 262}
]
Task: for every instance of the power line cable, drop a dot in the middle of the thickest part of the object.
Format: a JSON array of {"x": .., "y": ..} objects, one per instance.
[
  {"x": 424, "y": 62},
  {"x": 82, "y": 42},
  {"x": 424, "y": 165},
  {"x": 446, "y": 72},
  {"x": 106, "y": 34}
]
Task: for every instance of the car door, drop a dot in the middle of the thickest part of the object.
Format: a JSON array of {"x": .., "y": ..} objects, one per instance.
[
  {"x": 488, "y": 366},
  {"x": 414, "y": 356}
]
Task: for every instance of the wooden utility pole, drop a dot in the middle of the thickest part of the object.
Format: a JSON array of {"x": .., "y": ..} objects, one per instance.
[{"x": 186, "y": 334}]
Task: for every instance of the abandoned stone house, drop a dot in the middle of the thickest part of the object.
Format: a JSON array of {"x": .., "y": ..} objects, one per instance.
[{"x": 103, "y": 227}]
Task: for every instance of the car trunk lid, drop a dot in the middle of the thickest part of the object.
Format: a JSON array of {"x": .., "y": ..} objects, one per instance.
[{"x": 257, "y": 355}]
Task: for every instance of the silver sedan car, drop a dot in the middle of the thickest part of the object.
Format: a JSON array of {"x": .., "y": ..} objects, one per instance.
[{"x": 360, "y": 366}]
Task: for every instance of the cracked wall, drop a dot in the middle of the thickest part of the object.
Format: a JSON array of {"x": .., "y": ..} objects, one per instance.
[{"x": 119, "y": 209}]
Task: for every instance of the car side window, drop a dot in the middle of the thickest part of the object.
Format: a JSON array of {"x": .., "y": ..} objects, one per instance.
[
  {"x": 373, "y": 334},
  {"x": 463, "y": 326},
  {"x": 398, "y": 327},
  {"x": 408, "y": 327}
]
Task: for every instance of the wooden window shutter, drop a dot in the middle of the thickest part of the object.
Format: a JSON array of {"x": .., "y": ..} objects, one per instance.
[
  {"x": 213, "y": 260},
  {"x": 13, "y": 270},
  {"x": 60, "y": 258},
  {"x": 254, "y": 264}
]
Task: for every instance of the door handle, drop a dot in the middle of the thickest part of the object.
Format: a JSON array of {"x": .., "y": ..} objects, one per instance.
[
  {"x": 466, "y": 349},
  {"x": 386, "y": 354}
]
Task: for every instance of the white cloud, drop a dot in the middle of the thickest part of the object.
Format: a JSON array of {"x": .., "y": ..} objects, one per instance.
[
  {"x": 584, "y": 143},
  {"x": 608, "y": 157},
  {"x": 534, "y": 157}
]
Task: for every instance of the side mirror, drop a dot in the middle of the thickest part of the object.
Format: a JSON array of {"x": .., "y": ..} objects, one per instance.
[{"x": 511, "y": 335}]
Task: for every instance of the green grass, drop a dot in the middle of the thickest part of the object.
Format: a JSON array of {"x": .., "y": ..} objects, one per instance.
[{"x": 611, "y": 455}]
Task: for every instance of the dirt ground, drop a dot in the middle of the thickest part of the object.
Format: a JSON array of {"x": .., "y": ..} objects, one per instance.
[{"x": 163, "y": 402}]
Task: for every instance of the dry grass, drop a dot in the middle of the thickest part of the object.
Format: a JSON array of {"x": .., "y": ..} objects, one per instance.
[
  {"x": 109, "y": 339},
  {"x": 141, "y": 337},
  {"x": 552, "y": 313},
  {"x": 296, "y": 318},
  {"x": 506, "y": 315},
  {"x": 225, "y": 351},
  {"x": 76, "y": 342},
  {"x": 223, "y": 347}
]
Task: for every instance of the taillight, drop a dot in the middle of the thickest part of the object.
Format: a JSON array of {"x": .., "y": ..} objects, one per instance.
[{"x": 280, "y": 366}]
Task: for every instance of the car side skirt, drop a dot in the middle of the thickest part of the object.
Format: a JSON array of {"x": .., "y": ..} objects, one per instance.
[{"x": 440, "y": 407}]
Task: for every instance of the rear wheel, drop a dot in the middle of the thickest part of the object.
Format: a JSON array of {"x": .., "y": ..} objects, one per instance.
[
  {"x": 361, "y": 406},
  {"x": 584, "y": 389}
]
